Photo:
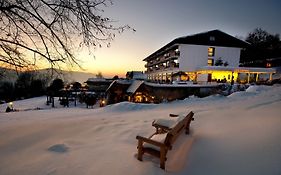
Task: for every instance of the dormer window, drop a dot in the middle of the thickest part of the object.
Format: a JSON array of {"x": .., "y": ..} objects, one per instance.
[{"x": 212, "y": 38}]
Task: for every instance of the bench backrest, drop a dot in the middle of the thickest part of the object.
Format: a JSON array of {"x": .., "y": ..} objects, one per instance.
[{"x": 173, "y": 134}]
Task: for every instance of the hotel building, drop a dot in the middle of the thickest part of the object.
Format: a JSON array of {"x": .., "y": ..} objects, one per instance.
[{"x": 211, "y": 56}]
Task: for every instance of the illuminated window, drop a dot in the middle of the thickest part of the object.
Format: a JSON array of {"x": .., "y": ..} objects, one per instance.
[
  {"x": 210, "y": 62},
  {"x": 211, "y": 51},
  {"x": 268, "y": 64},
  {"x": 138, "y": 97}
]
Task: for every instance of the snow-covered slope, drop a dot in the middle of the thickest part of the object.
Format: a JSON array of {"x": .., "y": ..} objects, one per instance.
[{"x": 238, "y": 134}]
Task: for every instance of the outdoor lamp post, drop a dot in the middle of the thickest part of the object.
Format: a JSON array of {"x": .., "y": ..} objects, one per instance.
[{"x": 9, "y": 107}]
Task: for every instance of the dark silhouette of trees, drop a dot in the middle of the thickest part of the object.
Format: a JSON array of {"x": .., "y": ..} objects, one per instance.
[
  {"x": 37, "y": 88},
  {"x": 261, "y": 39},
  {"x": 99, "y": 75},
  {"x": 76, "y": 86},
  {"x": 264, "y": 46},
  {"x": 115, "y": 77},
  {"x": 50, "y": 30},
  {"x": 54, "y": 90},
  {"x": 219, "y": 62},
  {"x": 90, "y": 100},
  {"x": 29, "y": 85},
  {"x": 7, "y": 91},
  {"x": 22, "y": 85},
  {"x": 129, "y": 75},
  {"x": 57, "y": 85}
]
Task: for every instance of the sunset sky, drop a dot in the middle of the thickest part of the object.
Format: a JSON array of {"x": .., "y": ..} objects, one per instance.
[{"x": 157, "y": 22}]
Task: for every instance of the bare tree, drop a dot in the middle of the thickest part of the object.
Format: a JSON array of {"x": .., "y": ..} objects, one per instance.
[
  {"x": 51, "y": 30},
  {"x": 99, "y": 75}
]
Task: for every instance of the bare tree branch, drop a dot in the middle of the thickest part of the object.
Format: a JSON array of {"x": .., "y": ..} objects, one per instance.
[{"x": 52, "y": 30}]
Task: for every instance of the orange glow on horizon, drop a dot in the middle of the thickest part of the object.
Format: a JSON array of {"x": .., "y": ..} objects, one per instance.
[{"x": 119, "y": 58}]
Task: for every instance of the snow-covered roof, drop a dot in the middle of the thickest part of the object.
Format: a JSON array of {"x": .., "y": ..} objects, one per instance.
[
  {"x": 96, "y": 79},
  {"x": 124, "y": 81},
  {"x": 134, "y": 86}
]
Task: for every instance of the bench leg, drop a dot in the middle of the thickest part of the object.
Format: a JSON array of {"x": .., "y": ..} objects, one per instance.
[
  {"x": 187, "y": 130},
  {"x": 140, "y": 151},
  {"x": 163, "y": 153}
]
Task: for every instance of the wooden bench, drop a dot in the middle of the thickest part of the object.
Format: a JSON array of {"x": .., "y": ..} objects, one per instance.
[{"x": 159, "y": 143}]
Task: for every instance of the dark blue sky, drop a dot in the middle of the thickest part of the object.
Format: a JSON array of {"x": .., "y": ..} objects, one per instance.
[
  {"x": 157, "y": 22},
  {"x": 237, "y": 17}
]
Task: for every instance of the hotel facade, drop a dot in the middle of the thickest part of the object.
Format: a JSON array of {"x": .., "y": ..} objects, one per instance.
[{"x": 207, "y": 57}]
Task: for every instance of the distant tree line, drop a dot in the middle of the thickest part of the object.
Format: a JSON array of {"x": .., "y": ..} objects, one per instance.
[
  {"x": 28, "y": 85},
  {"x": 31, "y": 84},
  {"x": 264, "y": 48}
]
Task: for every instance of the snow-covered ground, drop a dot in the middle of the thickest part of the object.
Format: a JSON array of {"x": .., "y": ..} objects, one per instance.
[{"x": 238, "y": 134}]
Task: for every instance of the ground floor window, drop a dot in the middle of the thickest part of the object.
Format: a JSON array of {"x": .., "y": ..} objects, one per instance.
[
  {"x": 141, "y": 97},
  {"x": 232, "y": 76}
]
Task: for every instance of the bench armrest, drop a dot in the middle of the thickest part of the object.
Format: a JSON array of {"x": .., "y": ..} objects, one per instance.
[{"x": 173, "y": 115}]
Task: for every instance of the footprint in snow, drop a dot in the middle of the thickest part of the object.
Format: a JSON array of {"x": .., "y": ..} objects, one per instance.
[{"x": 58, "y": 148}]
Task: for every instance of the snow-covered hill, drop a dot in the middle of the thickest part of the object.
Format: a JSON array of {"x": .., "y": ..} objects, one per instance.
[{"x": 238, "y": 134}]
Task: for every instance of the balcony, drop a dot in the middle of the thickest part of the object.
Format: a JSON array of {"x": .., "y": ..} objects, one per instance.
[
  {"x": 166, "y": 61},
  {"x": 167, "y": 56},
  {"x": 172, "y": 55}
]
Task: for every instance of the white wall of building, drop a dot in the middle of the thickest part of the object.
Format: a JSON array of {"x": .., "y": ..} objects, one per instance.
[
  {"x": 195, "y": 56},
  {"x": 229, "y": 54},
  {"x": 192, "y": 56}
]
